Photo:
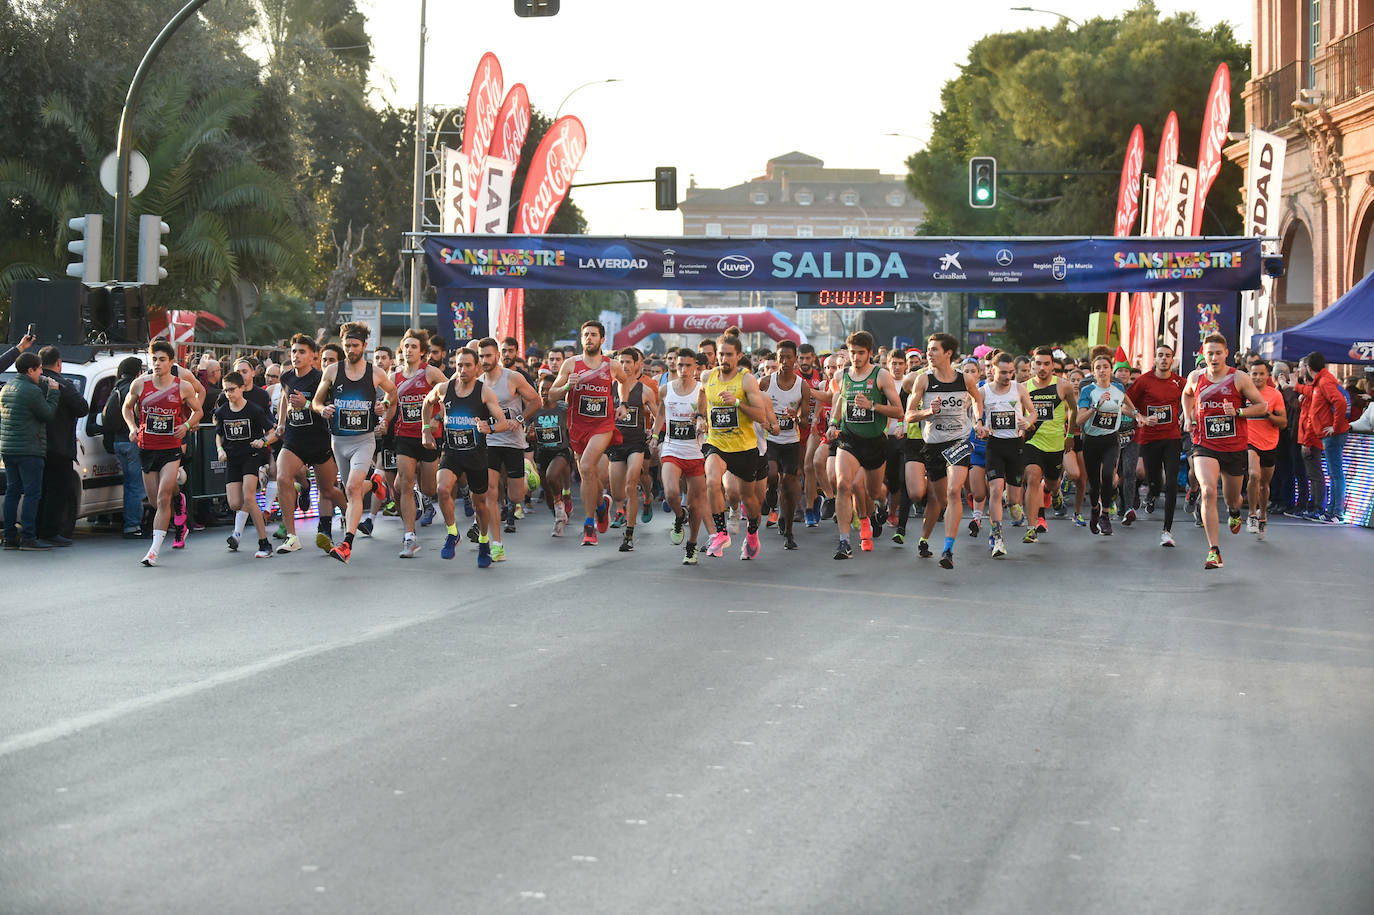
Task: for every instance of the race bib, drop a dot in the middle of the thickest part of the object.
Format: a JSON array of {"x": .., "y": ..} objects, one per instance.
[
  {"x": 298, "y": 418},
  {"x": 1044, "y": 411},
  {"x": 548, "y": 436},
  {"x": 412, "y": 412},
  {"x": 1163, "y": 414},
  {"x": 236, "y": 430},
  {"x": 388, "y": 459},
  {"x": 1217, "y": 427},
  {"x": 160, "y": 424},
  {"x": 786, "y": 424},
  {"x": 956, "y": 454},
  {"x": 592, "y": 407},
  {"x": 1003, "y": 420},
  {"x": 1125, "y": 438},
  {"x": 1105, "y": 421},
  {"x": 724, "y": 418},
  {"x": 460, "y": 439},
  {"x": 682, "y": 430},
  {"x": 354, "y": 420},
  {"x": 857, "y": 414},
  {"x": 631, "y": 420}
]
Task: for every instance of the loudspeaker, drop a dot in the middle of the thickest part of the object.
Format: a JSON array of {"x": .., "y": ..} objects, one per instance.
[
  {"x": 128, "y": 315},
  {"x": 53, "y": 307}
]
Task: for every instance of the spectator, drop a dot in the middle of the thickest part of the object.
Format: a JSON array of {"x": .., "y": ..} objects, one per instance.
[
  {"x": 115, "y": 436},
  {"x": 27, "y": 404},
  {"x": 8, "y": 357},
  {"x": 210, "y": 372},
  {"x": 1322, "y": 430},
  {"x": 61, "y": 482},
  {"x": 1289, "y": 488}
]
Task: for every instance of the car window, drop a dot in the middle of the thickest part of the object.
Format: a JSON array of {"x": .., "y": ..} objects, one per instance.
[{"x": 78, "y": 381}]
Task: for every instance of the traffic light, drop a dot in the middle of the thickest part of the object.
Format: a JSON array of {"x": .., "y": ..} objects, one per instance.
[
  {"x": 529, "y": 9},
  {"x": 665, "y": 187},
  {"x": 86, "y": 248},
  {"x": 982, "y": 182},
  {"x": 151, "y": 250}
]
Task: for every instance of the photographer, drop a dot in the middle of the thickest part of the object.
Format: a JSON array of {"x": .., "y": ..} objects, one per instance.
[
  {"x": 27, "y": 404},
  {"x": 61, "y": 482}
]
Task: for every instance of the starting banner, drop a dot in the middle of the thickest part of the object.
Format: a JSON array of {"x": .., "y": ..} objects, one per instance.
[{"x": 988, "y": 265}]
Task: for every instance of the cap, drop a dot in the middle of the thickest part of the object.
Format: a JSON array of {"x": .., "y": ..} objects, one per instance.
[{"x": 915, "y": 352}]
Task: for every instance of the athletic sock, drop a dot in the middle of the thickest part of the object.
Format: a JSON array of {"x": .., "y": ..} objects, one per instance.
[
  {"x": 348, "y": 538},
  {"x": 682, "y": 517},
  {"x": 326, "y": 525},
  {"x": 590, "y": 522},
  {"x": 949, "y": 544},
  {"x": 452, "y": 529},
  {"x": 240, "y": 522},
  {"x": 754, "y": 525},
  {"x": 271, "y": 492},
  {"x": 410, "y": 535},
  {"x": 158, "y": 537},
  {"x": 719, "y": 519},
  {"x": 978, "y": 515},
  {"x": 482, "y": 538},
  {"x": 904, "y": 511}
]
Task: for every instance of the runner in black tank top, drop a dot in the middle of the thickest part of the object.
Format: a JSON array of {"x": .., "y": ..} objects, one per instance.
[{"x": 305, "y": 444}]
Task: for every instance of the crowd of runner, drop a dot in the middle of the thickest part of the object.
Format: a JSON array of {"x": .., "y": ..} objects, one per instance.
[{"x": 730, "y": 445}]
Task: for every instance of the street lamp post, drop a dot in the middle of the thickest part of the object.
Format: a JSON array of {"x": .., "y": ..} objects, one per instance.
[
  {"x": 595, "y": 82},
  {"x": 417, "y": 222},
  {"x": 1032, "y": 9}
]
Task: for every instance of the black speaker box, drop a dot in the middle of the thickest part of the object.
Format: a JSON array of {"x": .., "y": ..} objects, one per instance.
[{"x": 53, "y": 307}]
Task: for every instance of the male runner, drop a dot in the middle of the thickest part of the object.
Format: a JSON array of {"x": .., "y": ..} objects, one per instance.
[
  {"x": 707, "y": 347},
  {"x": 1214, "y": 399},
  {"x": 548, "y": 430},
  {"x": 628, "y": 456},
  {"x": 913, "y": 449},
  {"x": 347, "y": 399},
  {"x": 1007, "y": 414},
  {"x": 791, "y": 397},
  {"x": 864, "y": 402},
  {"x": 505, "y": 449},
  {"x": 242, "y": 436},
  {"x": 1159, "y": 397},
  {"x": 1056, "y": 411},
  {"x": 894, "y": 473},
  {"x": 731, "y": 443},
  {"x": 154, "y": 407},
  {"x": 679, "y": 427},
  {"x": 945, "y": 400},
  {"x": 414, "y": 379},
  {"x": 591, "y": 421},
  {"x": 470, "y": 412}
]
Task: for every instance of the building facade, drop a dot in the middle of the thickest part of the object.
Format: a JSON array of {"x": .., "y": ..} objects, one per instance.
[
  {"x": 796, "y": 196},
  {"x": 1313, "y": 84}
]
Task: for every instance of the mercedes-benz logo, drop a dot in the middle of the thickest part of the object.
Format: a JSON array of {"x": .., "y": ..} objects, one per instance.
[{"x": 1004, "y": 257}]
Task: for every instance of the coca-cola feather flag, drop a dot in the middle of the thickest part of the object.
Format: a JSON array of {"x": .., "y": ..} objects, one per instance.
[
  {"x": 1127, "y": 199},
  {"x": 1215, "y": 123},
  {"x": 512, "y": 124},
  {"x": 479, "y": 122}
]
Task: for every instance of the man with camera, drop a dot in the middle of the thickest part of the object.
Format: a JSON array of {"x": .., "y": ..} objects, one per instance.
[{"x": 27, "y": 404}]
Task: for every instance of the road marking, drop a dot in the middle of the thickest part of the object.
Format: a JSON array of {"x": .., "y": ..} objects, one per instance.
[{"x": 78, "y": 723}]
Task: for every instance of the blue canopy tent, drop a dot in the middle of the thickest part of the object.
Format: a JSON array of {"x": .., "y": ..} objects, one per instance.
[{"x": 1343, "y": 333}]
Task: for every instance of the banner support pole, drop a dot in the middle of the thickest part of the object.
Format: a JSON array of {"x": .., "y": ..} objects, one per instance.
[{"x": 418, "y": 215}]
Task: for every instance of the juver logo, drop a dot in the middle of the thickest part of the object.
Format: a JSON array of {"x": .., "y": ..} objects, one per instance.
[{"x": 735, "y": 266}]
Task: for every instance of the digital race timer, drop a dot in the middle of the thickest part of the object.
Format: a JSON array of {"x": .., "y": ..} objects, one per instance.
[{"x": 845, "y": 298}]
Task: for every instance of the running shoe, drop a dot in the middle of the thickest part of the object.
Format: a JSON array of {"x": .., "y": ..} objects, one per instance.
[
  {"x": 589, "y": 535},
  {"x": 999, "y": 547},
  {"x": 409, "y": 548},
  {"x": 179, "y": 509},
  {"x": 1197, "y": 518},
  {"x": 788, "y": 543},
  {"x": 772, "y": 517},
  {"x": 324, "y": 541},
  {"x": 519, "y": 513},
  {"x": 498, "y": 552},
  {"x": 1018, "y": 516},
  {"x": 677, "y": 533},
  {"x": 618, "y": 521},
  {"x": 1094, "y": 524},
  {"x": 1106, "y": 526},
  {"x": 812, "y": 520},
  {"x": 664, "y": 504},
  {"x": 646, "y": 511},
  {"x": 1042, "y": 525},
  {"x": 1213, "y": 559},
  {"x": 877, "y": 524},
  {"x": 893, "y": 517},
  {"x": 1057, "y": 503},
  {"x": 472, "y": 534},
  {"x": 689, "y": 558},
  {"x": 923, "y": 548},
  {"x": 899, "y": 536},
  {"x": 603, "y": 514},
  {"x": 1080, "y": 520},
  {"x": 365, "y": 527},
  {"x": 1259, "y": 529},
  {"x": 751, "y": 546},
  {"x": 427, "y": 516},
  {"x": 149, "y": 558},
  {"x": 866, "y": 535},
  {"x": 450, "y": 548},
  {"x": 567, "y": 504},
  {"x": 1031, "y": 536},
  {"x": 280, "y": 532},
  {"x": 827, "y": 509},
  {"x": 467, "y": 504},
  {"x": 303, "y": 498},
  {"x": 560, "y": 519},
  {"x": 1251, "y": 524},
  {"x": 1190, "y": 504},
  {"x": 719, "y": 541},
  {"x": 843, "y": 550},
  {"x": 1129, "y": 518},
  {"x": 1234, "y": 522},
  {"x": 973, "y": 527},
  {"x": 379, "y": 487},
  {"x": 264, "y": 550},
  {"x": 1166, "y": 539},
  {"x": 627, "y": 542},
  {"x": 292, "y": 544},
  {"x": 233, "y": 541},
  {"x": 1150, "y": 505},
  {"x": 509, "y": 526},
  {"x": 947, "y": 559},
  {"x": 342, "y": 552},
  {"x": 484, "y": 555}
]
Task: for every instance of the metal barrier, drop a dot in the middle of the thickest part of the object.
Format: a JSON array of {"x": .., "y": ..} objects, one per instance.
[
  {"x": 1347, "y": 68},
  {"x": 1274, "y": 94}
]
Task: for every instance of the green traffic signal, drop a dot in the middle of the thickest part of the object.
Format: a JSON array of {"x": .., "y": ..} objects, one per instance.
[{"x": 982, "y": 182}]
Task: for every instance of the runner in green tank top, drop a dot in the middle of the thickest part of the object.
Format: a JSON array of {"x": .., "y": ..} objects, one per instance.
[
  {"x": 1056, "y": 411},
  {"x": 866, "y": 400}
]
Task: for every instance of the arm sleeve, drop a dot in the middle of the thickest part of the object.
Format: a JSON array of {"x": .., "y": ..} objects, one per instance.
[
  {"x": 7, "y": 358},
  {"x": 1085, "y": 399}
]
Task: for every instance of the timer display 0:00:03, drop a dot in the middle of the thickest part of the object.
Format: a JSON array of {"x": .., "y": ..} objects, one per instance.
[{"x": 850, "y": 298}]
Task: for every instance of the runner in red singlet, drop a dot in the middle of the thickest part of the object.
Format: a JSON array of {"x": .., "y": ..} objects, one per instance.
[
  {"x": 591, "y": 421},
  {"x": 1215, "y": 399},
  {"x": 414, "y": 462}
]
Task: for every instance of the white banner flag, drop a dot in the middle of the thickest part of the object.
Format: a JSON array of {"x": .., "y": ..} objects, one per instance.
[
  {"x": 453, "y": 206},
  {"x": 1263, "y": 193},
  {"x": 493, "y": 216}
]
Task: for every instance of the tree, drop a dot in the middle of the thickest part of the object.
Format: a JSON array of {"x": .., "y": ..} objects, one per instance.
[{"x": 1061, "y": 98}]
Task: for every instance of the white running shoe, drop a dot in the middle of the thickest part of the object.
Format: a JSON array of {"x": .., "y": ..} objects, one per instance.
[
  {"x": 292, "y": 544},
  {"x": 409, "y": 548},
  {"x": 1252, "y": 525},
  {"x": 1166, "y": 539},
  {"x": 150, "y": 558}
]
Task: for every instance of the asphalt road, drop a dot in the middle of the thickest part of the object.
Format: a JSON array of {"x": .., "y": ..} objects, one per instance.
[{"x": 1091, "y": 725}]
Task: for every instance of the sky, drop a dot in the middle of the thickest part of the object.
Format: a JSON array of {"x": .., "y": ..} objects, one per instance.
[{"x": 717, "y": 87}]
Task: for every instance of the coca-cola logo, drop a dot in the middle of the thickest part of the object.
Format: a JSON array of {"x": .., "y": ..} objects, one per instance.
[
  {"x": 513, "y": 132},
  {"x": 1218, "y": 121},
  {"x": 777, "y": 331},
  {"x": 705, "y": 322},
  {"x": 562, "y": 150},
  {"x": 1164, "y": 180},
  {"x": 1129, "y": 193}
]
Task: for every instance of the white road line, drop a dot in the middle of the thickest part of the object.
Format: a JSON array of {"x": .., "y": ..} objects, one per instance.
[{"x": 74, "y": 725}]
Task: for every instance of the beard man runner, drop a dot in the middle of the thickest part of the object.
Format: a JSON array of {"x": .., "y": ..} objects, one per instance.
[
  {"x": 863, "y": 404},
  {"x": 414, "y": 462},
  {"x": 791, "y": 397},
  {"x": 305, "y": 443},
  {"x": 591, "y": 421},
  {"x": 679, "y": 428}
]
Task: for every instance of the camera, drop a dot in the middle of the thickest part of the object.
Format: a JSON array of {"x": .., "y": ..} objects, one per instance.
[{"x": 1272, "y": 265}]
